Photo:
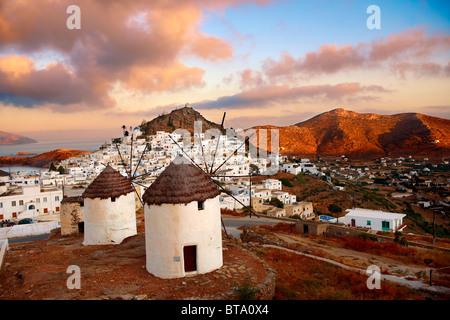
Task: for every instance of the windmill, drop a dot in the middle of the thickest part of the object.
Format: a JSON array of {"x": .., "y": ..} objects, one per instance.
[
  {"x": 214, "y": 172},
  {"x": 130, "y": 172}
]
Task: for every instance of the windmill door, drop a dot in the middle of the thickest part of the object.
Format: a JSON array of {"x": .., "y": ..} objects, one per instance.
[{"x": 190, "y": 258}]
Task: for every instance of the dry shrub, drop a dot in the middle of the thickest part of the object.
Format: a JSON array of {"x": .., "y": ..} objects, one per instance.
[
  {"x": 441, "y": 277},
  {"x": 302, "y": 278},
  {"x": 281, "y": 227},
  {"x": 232, "y": 212},
  {"x": 411, "y": 255},
  {"x": 377, "y": 248}
]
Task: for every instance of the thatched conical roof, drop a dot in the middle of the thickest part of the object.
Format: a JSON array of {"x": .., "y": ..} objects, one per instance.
[
  {"x": 181, "y": 182},
  {"x": 109, "y": 183}
]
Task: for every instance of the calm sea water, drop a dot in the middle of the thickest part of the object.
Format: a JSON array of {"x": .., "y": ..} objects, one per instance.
[{"x": 49, "y": 145}]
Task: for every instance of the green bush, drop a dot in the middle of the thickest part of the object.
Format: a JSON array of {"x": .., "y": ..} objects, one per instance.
[
  {"x": 368, "y": 237},
  {"x": 276, "y": 202},
  {"x": 245, "y": 291},
  {"x": 286, "y": 182}
]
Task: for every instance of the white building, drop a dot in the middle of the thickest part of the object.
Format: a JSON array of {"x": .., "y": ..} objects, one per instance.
[
  {"x": 183, "y": 231},
  {"x": 232, "y": 203},
  {"x": 272, "y": 184},
  {"x": 309, "y": 167},
  {"x": 4, "y": 181},
  {"x": 293, "y": 168},
  {"x": 30, "y": 202},
  {"x": 109, "y": 209},
  {"x": 283, "y": 196},
  {"x": 374, "y": 219}
]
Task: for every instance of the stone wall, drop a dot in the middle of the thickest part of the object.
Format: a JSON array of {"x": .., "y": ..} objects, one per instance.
[{"x": 72, "y": 212}]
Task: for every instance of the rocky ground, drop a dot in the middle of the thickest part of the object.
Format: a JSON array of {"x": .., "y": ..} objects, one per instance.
[{"x": 38, "y": 270}]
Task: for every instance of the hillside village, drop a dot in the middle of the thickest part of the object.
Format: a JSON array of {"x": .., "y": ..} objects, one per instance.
[
  {"x": 322, "y": 196},
  {"x": 243, "y": 176},
  {"x": 39, "y": 196},
  {"x": 146, "y": 158}
]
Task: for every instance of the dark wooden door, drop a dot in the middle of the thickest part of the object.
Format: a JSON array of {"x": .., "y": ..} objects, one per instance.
[
  {"x": 190, "y": 258},
  {"x": 353, "y": 222}
]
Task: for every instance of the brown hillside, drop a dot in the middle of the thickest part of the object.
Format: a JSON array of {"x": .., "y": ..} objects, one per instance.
[
  {"x": 42, "y": 160},
  {"x": 183, "y": 118},
  {"x": 343, "y": 132}
]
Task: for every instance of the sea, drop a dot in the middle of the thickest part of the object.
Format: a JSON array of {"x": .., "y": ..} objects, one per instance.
[{"x": 45, "y": 146}]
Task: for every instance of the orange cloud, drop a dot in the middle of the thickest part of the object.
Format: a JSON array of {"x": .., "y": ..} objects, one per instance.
[
  {"x": 163, "y": 78},
  {"x": 136, "y": 43}
]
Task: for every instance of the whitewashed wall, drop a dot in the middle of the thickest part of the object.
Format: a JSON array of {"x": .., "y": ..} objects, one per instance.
[
  {"x": 107, "y": 222},
  {"x": 170, "y": 227},
  {"x": 25, "y": 230}
]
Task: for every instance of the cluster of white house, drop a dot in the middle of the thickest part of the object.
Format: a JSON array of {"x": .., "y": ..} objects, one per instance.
[
  {"x": 182, "y": 209},
  {"x": 260, "y": 194},
  {"x": 28, "y": 201},
  {"x": 38, "y": 196},
  {"x": 147, "y": 158}
]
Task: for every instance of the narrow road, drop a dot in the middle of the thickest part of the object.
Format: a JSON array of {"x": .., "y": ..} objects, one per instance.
[{"x": 232, "y": 223}]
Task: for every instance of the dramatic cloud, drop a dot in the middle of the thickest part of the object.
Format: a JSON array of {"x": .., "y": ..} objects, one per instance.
[
  {"x": 410, "y": 46},
  {"x": 22, "y": 84},
  {"x": 266, "y": 96},
  {"x": 137, "y": 44}
]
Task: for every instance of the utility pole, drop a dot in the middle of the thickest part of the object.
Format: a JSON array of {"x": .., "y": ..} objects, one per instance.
[
  {"x": 250, "y": 193},
  {"x": 434, "y": 229}
]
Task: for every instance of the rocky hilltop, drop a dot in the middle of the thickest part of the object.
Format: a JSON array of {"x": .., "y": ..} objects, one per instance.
[
  {"x": 42, "y": 160},
  {"x": 183, "y": 118},
  {"x": 7, "y": 138},
  {"x": 368, "y": 135}
]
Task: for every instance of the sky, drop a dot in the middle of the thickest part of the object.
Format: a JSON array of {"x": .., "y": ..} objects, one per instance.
[{"x": 260, "y": 61}]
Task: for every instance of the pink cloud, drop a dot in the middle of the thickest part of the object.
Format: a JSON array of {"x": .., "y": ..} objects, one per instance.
[
  {"x": 413, "y": 46},
  {"x": 251, "y": 78},
  {"x": 428, "y": 69}
]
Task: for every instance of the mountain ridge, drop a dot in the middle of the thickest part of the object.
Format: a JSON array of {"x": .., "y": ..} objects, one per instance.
[
  {"x": 7, "y": 138},
  {"x": 336, "y": 132},
  {"x": 364, "y": 135}
]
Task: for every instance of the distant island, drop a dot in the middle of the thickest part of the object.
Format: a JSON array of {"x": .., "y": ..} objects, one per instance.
[
  {"x": 41, "y": 160},
  {"x": 7, "y": 138},
  {"x": 26, "y": 154}
]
